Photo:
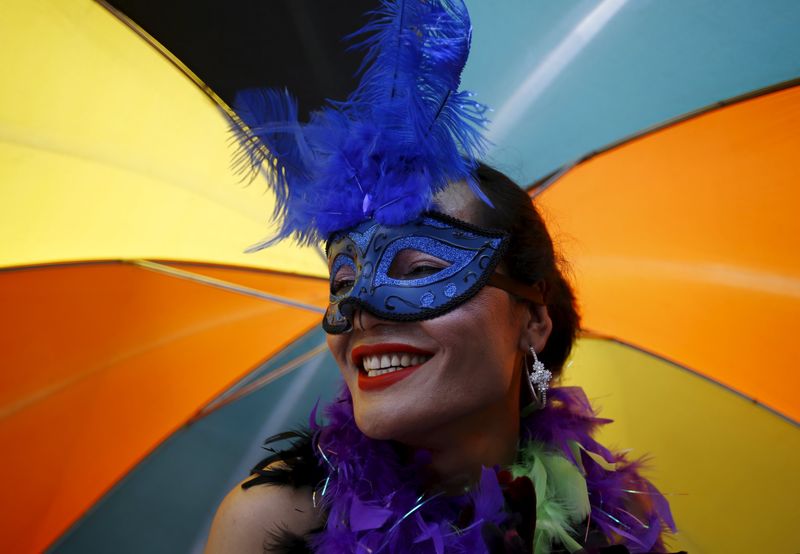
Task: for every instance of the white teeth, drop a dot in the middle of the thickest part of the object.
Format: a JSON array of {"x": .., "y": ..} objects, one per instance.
[
  {"x": 386, "y": 363},
  {"x": 376, "y": 372}
]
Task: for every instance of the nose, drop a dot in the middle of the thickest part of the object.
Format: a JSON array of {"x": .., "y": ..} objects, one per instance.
[
  {"x": 357, "y": 318},
  {"x": 364, "y": 321},
  {"x": 348, "y": 316}
]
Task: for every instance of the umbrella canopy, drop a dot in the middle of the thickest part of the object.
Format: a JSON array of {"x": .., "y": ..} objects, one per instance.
[
  {"x": 165, "y": 504},
  {"x": 700, "y": 215},
  {"x": 110, "y": 152},
  {"x": 683, "y": 243},
  {"x": 111, "y": 156},
  {"x": 563, "y": 78},
  {"x": 566, "y": 78}
]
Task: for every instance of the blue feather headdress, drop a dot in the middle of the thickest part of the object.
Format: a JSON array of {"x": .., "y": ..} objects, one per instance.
[{"x": 400, "y": 137}]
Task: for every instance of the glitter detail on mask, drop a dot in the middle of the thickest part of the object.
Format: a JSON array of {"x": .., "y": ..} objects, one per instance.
[
  {"x": 457, "y": 257},
  {"x": 370, "y": 249},
  {"x": 431, "y": 222},
  {"x": 361, "y": 235}
]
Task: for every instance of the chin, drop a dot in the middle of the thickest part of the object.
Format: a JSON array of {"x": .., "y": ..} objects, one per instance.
[
  {"x": 389, "y": 426},
  {"x": 378, "y": 428},
  {"x": 421, "y": 428},
  {"x": 380, "y": 434}
]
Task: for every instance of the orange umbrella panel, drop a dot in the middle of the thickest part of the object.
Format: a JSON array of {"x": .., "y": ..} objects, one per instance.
[
  {"x": 173, "y": 493},
  {"x": 123, "y": 356},
  {"x": 685, "y": 242}
]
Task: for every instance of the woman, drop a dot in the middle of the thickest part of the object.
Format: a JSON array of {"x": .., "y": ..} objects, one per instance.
[
  {"x": 460, "y": 400},
  {"x": 448, "y": 316}
]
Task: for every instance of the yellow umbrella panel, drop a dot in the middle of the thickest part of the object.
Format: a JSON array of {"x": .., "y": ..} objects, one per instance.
[
  {"x": 108, "y": 152},
  {"x": 727, "y": 466}
]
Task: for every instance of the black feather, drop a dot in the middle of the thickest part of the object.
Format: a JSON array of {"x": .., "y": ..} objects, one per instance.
[
  {"x": 295, "y": 466},
  {"x": 283, "y": 541}
]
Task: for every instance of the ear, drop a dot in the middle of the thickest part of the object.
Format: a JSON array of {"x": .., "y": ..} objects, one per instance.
[{"x": 536, "y": 328}]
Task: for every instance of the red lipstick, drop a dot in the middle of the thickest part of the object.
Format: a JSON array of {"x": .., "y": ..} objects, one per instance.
[{"x": 387, "y": 379}]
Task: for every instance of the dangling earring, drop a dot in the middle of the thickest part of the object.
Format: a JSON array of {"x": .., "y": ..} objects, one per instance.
[{"x": 539, "y": 381}]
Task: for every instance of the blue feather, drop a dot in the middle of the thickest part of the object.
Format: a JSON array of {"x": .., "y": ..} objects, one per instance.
[
  {"x": 269, "y": 132},
  {"x": 400, "y": 137}
]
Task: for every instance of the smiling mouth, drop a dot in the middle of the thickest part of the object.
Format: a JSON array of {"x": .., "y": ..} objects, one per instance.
[{"x": 381, "y": 359}]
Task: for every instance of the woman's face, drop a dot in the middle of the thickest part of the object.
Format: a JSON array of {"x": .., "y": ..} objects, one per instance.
[{"x": 462, "y": 366}]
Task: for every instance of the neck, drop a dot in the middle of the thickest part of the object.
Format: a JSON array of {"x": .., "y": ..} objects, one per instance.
[{"x": 460, "y": 450}]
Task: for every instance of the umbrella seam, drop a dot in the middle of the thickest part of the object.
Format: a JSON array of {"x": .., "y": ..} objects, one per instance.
[
  {"x": 224, "y": 285},
  {"x": 538, "y": 186},
  {"x": 244, "y": 389},
  {"x": 596, "y": 335}
]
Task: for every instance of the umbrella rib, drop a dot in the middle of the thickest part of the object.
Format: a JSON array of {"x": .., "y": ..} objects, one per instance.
[
  {"x": 539, "y": 185},
  {"x": 245, "y": 389},
  {"x": 588, "y": 333},
  {"x": 224, "y": 285},
  {"x": 321, "y": 252}
]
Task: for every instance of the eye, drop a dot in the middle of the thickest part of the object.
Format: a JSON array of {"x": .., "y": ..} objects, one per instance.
[
  {"x": 343, "y": 279},
  {"x": 411, "y": 264},
  {"x": 422, "y": 270}
]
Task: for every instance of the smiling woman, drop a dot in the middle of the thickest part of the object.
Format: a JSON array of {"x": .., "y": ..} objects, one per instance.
[
  {"x": 437, "y": 394},
  {"x": 458, "y": 397},
  {"x": 449, "y": 314}
]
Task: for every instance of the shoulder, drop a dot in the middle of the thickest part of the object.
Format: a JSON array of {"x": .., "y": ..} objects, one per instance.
[{"x": 250, "y": 520}]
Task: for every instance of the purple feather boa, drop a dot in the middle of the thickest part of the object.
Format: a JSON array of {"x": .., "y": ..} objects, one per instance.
[
  {"x": 376, "y": 504},
  {"x": 373, "y": 501}
]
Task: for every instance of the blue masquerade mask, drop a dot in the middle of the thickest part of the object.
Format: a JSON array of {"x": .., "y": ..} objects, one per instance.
[{"x": 411, "y": 272}]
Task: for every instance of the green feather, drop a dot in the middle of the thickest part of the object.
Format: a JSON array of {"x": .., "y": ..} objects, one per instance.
[{"x": 562, "y": 500}]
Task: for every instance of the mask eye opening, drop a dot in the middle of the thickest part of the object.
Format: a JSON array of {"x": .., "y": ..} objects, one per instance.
[
  {"x": 409, "y": 264},
  {"x": 343, "y": 275}
]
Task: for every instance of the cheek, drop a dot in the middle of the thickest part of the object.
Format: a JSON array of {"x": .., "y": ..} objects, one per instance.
[
  {"x": 481, "y": 339},
  {"x": 337, "y": 344}
]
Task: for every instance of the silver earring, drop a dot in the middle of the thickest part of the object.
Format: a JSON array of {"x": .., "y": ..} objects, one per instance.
[{"x": 539, "y": 381}]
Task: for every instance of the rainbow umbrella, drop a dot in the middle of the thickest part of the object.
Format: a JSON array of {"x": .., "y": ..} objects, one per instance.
[
  {"x": 127, "y": 301},
  {"x": 150, "y": 356}
]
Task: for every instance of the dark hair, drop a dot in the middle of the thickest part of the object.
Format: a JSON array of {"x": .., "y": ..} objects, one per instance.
[{"x": 531, "y": 258}]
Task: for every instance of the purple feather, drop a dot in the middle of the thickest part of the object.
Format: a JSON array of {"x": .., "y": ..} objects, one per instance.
[{"x": 378, "y": 504}]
